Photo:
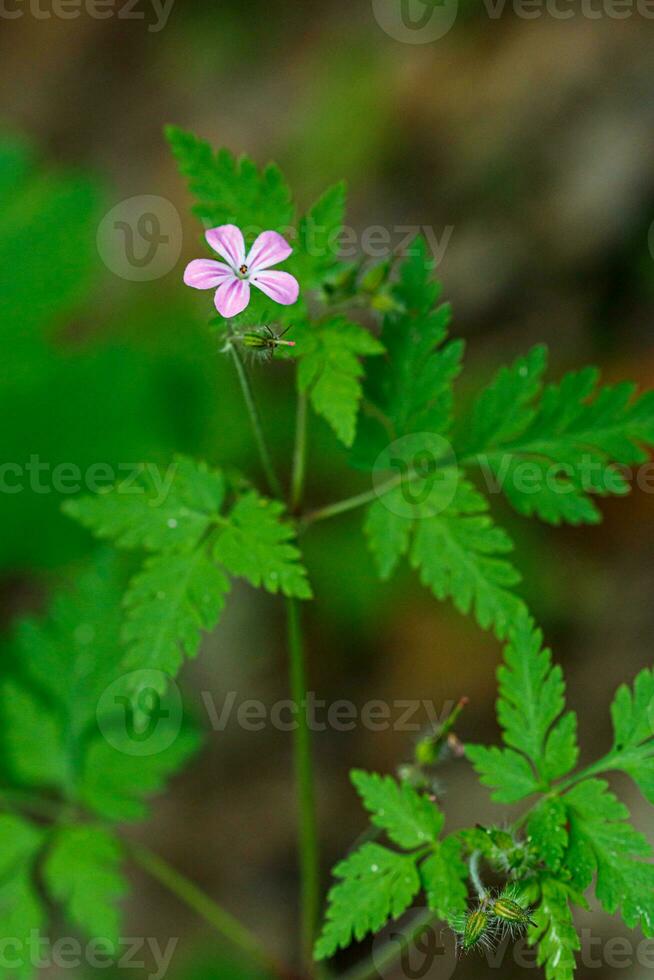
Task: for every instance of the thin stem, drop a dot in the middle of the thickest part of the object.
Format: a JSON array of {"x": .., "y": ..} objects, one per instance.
[
  {"x": 475, "y": 876},
  {"x": 255, "y": 419},
  {"x": 187, "y": 892},
  {"x": 350, "y": 503},
  {"x": 299, "y": 453},
  {"x": 368, "y": 496},
  {"x": 373, "y": 968},
  {"x": 308, "y": 838},
  {"x": 605, "y": 764}
]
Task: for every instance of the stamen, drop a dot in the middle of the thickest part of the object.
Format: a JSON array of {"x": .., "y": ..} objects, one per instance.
[{"x": 243, "y": 270}]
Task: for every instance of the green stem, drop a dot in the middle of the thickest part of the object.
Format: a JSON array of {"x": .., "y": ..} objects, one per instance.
[
  {"x": 373, "y": 968},
  {"x": 350, "y": 503},
  {"x": 605, "y": 764},
  {"x": 308, "y": 836},
  {"x": 475, "y": 876},
  {"x": 255, "y": 419},
  {"x": 222, "y": 921},
  {"x": 368, "y": 496},
  {"x": 299, "y": 453},
  {"x": 308, "y": 839}
]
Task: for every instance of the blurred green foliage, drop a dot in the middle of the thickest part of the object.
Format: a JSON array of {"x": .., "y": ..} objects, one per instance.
[{"x": 78, "y": 390}]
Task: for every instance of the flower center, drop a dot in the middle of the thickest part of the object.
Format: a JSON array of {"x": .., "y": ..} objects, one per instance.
[{"x": 243, "y": 270}]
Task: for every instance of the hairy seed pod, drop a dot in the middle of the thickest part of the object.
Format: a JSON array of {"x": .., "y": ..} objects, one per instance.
[
  {"x": 508, "y": 910},
  {"x": 475, "y": 929},
  {"x": 512, "y": 917}
]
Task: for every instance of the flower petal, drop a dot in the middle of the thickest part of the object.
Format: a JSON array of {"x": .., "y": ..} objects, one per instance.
[
  {"x": 227, "y": 240},
  {"x": 206, "y": 273},
  {"x": 232, "y": 297},
  {"x": 268, "y": 249},
  {"x": 280, "y": 286}
]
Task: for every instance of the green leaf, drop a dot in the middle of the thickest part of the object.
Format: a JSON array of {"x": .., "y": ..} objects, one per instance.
[
  {"x": 561, "y": 749},
  {"x": 633, "y": 713},
  {"x": 330, "y": 370},
  {"x": 230, "y": 190},
  {"x": 62, "y": 673},
  {"x": 555, "y": 931},
  {"x": 532, "y": 698},
  {"x": 547, "y": 831},
  {"x": 458, "y": 555},
  {"x": 69, "y": 657},
  {"x": 454, "y": 545},
  {"x": 256, "y": 543},
  {"x": 504, "y": 408},
  {"x": 444, "y": 878},
  {"x": 21, "y": 911},
  {"x": 416, "y": 288},
  {"x": 169, "y": 603},
  {"x": 180, "y": 590},
  {"x": 33, "y": 737},
  {"x": 633, "y": 725},
  {"x": 602, "y": 843},
  {"x": 552, "y": 449},
  {"x": 82, "y": 871},
  {"x": 409, "y": 819},
  {"x": 316, "y": 252},
  {"x": 412, "y": 389},
  {"x": 159, "y": 510},
  {"x": 542, "y": 744},
  {"x": 115, "y": 784},
  {"x": 535, "y": 488},
  {"x": 504, "y": 771},
  {"x": 376, "y": 885},
  {"x": 388, "y": 532},
  {"x": 60, "y": 666}
]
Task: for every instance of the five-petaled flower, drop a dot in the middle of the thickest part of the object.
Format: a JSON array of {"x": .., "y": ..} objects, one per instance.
[{"x": 232, "y": 281}]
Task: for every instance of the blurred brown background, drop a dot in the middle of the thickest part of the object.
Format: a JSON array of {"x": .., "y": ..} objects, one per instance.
[{"x": 532, "y": 141}]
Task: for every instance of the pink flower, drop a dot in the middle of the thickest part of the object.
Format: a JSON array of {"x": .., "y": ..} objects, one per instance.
[{"x": 232, "y": 280}]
